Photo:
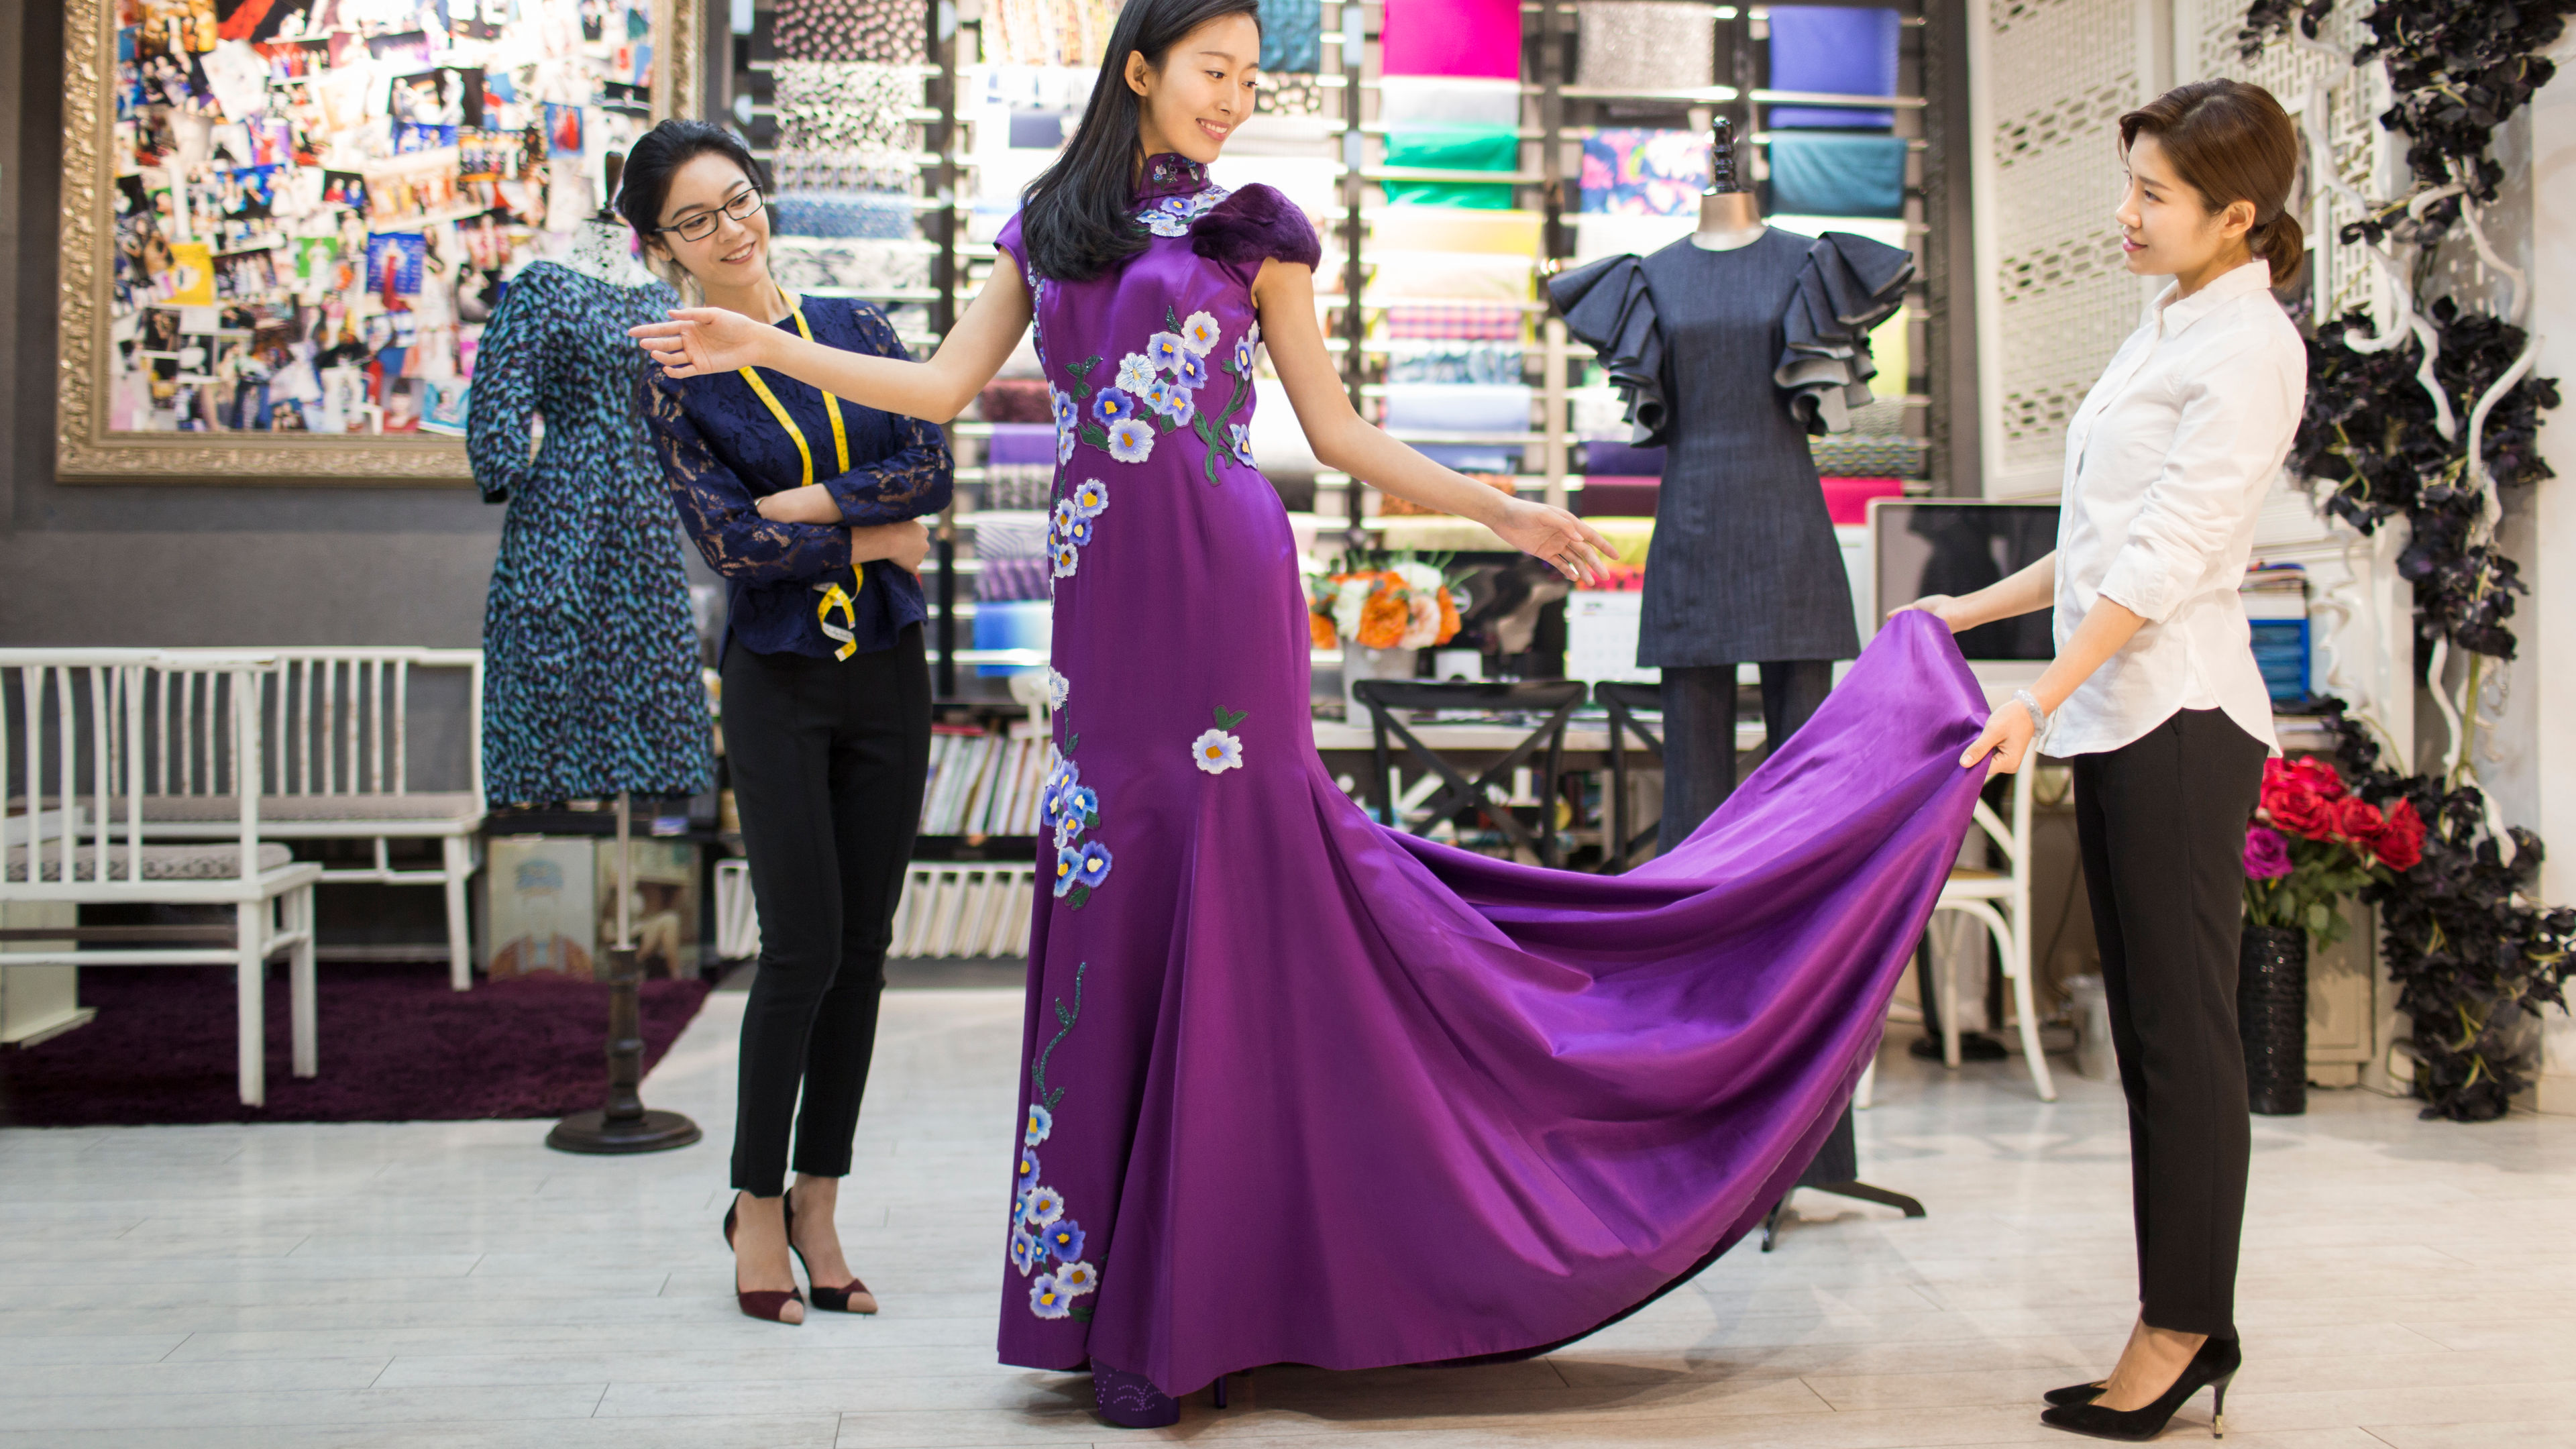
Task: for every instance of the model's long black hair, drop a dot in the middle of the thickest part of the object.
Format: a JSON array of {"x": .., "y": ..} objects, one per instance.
[{"x": 1076, "y": 218}]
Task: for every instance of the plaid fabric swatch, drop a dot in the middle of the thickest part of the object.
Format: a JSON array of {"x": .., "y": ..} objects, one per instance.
[{"x": 1454, "y": 322}]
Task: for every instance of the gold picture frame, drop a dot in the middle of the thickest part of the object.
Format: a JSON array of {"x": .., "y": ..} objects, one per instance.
[{"x": 85, "y": 451}]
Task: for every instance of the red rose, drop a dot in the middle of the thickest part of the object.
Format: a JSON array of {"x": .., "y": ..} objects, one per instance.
[
  {"x": 2307, "y": 773},
  {"x": 2400, "y": 842},
  {"x": 2357, "y": 820},
  {"x": 2299, "y": 811}
]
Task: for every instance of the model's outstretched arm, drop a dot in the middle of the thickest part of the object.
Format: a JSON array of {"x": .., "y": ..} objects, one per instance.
[
  {"x": 702, "y": 340},
  {"x": 1285, "y": 294}
]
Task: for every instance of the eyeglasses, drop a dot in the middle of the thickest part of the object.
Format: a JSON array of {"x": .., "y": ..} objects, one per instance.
[{"x": 703, "y": 225}]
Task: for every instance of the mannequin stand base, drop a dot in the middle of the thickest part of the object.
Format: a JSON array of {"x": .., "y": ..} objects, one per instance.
[
  {"x": 597, "y": 1133},
  {"x": 1861, "y": 1190}
]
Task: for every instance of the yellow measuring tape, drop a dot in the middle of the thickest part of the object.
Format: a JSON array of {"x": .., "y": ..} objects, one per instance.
[{"x": 834, "y": 597}]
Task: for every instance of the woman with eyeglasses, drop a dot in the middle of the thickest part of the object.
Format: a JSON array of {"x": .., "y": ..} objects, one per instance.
[{"x": 809, "y": 505}]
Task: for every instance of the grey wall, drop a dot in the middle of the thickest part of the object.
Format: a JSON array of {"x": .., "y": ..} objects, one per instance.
[{"x": 115, "y": 565}]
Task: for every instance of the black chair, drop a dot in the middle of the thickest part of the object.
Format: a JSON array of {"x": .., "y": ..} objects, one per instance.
[
  {"x": 1623, "y": 701},
  {"x": 1556, "y": 699}
]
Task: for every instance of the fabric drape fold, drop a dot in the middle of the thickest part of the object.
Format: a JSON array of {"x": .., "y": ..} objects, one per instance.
[
  {"x": 1849, "y": 285},
  {"x": 1606, "y": 305}
]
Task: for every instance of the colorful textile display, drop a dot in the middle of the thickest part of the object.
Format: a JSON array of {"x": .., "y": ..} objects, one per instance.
[
  {"x": 879, "y": 214},
  {"x": 1645, "y": 45},
  {"x": 1457, "y": 362},
  {"x": 1068, "y": 33},
  {"x": 1292, "y": 37},
  {"x": 1448, "y": 101},
  {"x": 1848, "y": 52},
  {"x": 1645, "y": 172},
  {"x": 1452, "y": 148},
  {"x": 1838, "y": 175},
  {"x": 805, "y": 264},
  {"x": 846, "y": 127},
  {"x": 1453, "y": 321},
  {"x": 1452, "y": 37},
  {"x": 883, "y": 31}
]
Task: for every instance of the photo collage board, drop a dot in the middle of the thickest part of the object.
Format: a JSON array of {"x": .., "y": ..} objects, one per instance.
[{"x": 318, "y": 203}]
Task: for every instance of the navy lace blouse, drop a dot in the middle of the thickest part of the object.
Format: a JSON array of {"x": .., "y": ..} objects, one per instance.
[{"x": 722, "y": 450}]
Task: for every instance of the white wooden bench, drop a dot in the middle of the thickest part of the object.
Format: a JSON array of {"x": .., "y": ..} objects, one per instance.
[
  {"x": 337, "y": 766},
  {"x": 86, "y": 737}
]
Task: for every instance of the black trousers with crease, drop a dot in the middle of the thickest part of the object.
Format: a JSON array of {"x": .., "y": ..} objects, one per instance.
[
  {"x": 2161, "y": 826},
  {"x": 828, "y": 758}
]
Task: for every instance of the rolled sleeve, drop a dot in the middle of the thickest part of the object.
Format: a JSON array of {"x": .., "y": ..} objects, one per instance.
[{"x": 2228, "y": 442}]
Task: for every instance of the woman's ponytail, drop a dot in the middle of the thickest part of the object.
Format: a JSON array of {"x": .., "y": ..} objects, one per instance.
[{"x": 2282, "y": 243}]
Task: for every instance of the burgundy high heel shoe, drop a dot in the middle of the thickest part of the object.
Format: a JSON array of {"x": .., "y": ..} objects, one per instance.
[
  {"x": 850, "y": 1297},
  {"x": 765, "y": 1303}
]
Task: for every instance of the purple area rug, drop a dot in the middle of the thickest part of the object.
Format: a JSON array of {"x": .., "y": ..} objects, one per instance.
[{"x": 397, "y": 1046}]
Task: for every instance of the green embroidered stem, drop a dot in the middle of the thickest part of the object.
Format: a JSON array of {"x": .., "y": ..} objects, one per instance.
[{"x": 1037, "y": 1069}]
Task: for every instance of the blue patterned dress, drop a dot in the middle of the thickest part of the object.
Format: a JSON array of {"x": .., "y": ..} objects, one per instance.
[{"x": 590, "y": 655}]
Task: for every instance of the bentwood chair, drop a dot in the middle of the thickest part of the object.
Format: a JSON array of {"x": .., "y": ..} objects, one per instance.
[
  {"x": 1552, "y": 701},
  {"x": 1999, "y": 900}
]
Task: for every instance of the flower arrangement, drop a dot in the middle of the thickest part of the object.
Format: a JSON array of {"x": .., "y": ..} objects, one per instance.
[
  {"x": 1383, "y": 601},
  {"x": 2313, "y": 843}
]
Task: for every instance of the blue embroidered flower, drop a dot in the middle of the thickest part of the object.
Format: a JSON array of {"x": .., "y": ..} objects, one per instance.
[
  {"x": 1243, "y": 350},
  {"x": 1112, "y": 407},
  {"x": 1166, "y": 349},
  {"x": 1077, "y": 1278},
  {"x": 1061, "y": 770},
  {"x": 1135, "y": 371},
  {"x": 1090, "y": 498},
  {"x": 1061, "y": 817},
  {"x": 1062, "y": 519},
  {"x": 1081, "y": 804},
  {"x": 1091, "y": 864},
  {"x": 1078, "y": 533},
  {"x": 1238, "y": 441},
  {"x": 1067, "y": 420},
  {"x": 1067, "y": 558},
  {"x": 1216, "y": 752},
  {"x": 1047, "y": 1298},
  {"x": 1028, "y": 1170},
  {"x": 1068, "y": 869},
  {"x": 1026, "y": 1251},
  {"x": 1199, "y": 333},
  {"x": 1059, "y": 689},
  {"x": 1175, "y": 402},
  {"x": 1041, "y": 1125},
  {"x": 1065, "y": 1240},
  {"x": 1191, "y": 371},
  {"x": 1039, "y": 1208},
  {"x": 1131, "y": 442}
]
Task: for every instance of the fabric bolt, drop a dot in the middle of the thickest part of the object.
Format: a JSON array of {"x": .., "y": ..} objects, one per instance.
[
  {"x": 1452, "y": 38},
  {"x": 1017, "y": 400},
  {"x": 1441, "y": 100},
  {"x": 1007, "y": 580},
  {"x": 1439, "y": 229},
  {"x": 1450, "y": 276},
  {"x": 1677, "y": 1039},
  {"x": 1883, "y": 456},
  {"x": 1618, "y": 455},
  {"x": 2168, "y": 461},
  {"x": 825, "y": 171},
  {"x": 1034, "y": 130},
  {"x": 1292, "y": 36},
  {"x": 882, "y": 31},
  {"x": 1458, "y": 362},
  {"x": 827, "y": 760},
  {"x": 1454, "y": 322},
  {"x": 1831, "y": 49},
  {"x": 1891, "y": 351},
  {"x": 590, "y": 651},
  {"x": 1599, "y": 234},
  {"x": 721, "y": 450},
  {"x": 1608, "y": 495},
  {"x": 1645, "y": 45},
  {"x": 2160, "y": 824},
  {"x": 1838, "y": 175},
  {"x": 880, "y": 215},
  {"x": 1051, "y": 33},
  {"x": 1452, "y": 148},
  {"x": 1009, "y": 535},
  {"x": 838, "y": 106},
  {"x": 1884, "y": 416},
  {"x": 1293, "y": 95},
  {"x": 1641, "y": 172},
  {"x": 1847, "y": 499},
  {"x": 1460, "y": 408},
  {"x": 1745, "y": 566},
  {"x": 1015, "y": 443},
  {"x": 802, "y": 264}
]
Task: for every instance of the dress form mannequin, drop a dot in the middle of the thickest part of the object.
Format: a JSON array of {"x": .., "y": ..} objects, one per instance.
[
  {"x": 603, "y": 247},
  {"x": 1729, "y": 215}
]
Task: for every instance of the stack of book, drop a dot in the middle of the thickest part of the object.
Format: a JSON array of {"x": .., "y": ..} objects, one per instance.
[
  {"x": 2276, "y": 604},
  {"x": 964, "y": 910},
  {"x": 984, "y": 782}
]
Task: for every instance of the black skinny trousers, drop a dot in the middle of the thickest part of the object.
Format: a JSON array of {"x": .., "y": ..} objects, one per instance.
[
  {"x": 828, "y": 758},
  {"x": 2161, "y": 824},
  {"x": 1699, "y": 733}
]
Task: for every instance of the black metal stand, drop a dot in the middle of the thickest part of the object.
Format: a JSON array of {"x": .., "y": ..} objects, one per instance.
[
  {"x": 1911, "y": 1207},
  {"x": 1836, "y": 1169},
  {"x": 624, "y": 1125}
]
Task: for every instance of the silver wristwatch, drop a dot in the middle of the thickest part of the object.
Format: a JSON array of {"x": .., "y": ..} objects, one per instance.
[{"x": 2038, "y": 716}]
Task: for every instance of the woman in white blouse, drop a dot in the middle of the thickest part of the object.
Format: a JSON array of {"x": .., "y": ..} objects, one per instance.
[{"x": 2155, "y": 698}]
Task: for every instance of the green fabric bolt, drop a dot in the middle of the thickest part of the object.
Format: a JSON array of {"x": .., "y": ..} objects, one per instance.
[{"x": 1452, "y": 148}]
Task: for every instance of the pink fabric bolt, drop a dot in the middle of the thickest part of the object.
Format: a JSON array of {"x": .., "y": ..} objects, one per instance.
[{"x": 1452, "y": 37}]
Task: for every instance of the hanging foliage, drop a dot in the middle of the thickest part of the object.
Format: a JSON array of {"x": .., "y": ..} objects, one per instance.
[{"x": 2473, "y": 953}]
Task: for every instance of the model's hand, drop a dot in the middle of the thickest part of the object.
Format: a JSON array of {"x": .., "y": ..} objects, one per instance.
[
  {"x": 810, "y": 504},
  {"x": 2006, "y": 738},
  {"x": 1573, "y": 547},
  {"x": 905, "y": 544},
  {"x": 1940, "y": 606},
  {"x": 699, "y": 341}
]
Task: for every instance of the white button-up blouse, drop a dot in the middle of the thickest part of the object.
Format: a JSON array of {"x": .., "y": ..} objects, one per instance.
[{"x": 2167, "y": 463}]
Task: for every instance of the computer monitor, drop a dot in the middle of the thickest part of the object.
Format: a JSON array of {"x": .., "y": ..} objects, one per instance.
[{"x": 1922, "y": 546}]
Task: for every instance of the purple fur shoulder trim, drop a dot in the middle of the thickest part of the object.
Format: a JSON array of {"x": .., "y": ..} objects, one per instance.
[{"x": 1253, "y": 225}]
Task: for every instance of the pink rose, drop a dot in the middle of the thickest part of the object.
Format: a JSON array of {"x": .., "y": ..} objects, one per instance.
[{"x": 2267, "y": 855}]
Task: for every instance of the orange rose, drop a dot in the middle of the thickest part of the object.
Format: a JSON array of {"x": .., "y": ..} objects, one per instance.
[
  {"x": 1385, "y": 617},
  {"x": 1320, "y": 633},
  {"x": 1448, "y": 618}
]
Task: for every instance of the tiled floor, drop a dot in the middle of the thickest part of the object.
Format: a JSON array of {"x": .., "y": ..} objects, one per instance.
[{"x": 2407, "y": 1285}]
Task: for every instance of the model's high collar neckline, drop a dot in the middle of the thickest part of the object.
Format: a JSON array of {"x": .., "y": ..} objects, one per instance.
[{"x": 1168, "y": 173}]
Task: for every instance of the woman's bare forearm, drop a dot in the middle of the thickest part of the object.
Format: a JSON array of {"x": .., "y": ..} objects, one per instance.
[
  {"x": 935, "y": 391},
  {"x": 1354, "y": 446},
  {"x": 2104, "y": 632}
]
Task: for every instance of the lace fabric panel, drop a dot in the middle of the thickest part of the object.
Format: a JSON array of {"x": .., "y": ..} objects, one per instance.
[{"x": 884, "y": 31}]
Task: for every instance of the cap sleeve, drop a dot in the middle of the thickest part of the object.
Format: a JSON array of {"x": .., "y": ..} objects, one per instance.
[
  {"x": 1253, "y": 226},
  {"x": 1009, "y": 240},
  {"x": 1606, "y": 304},
  {"x": 1849, "y": 285}
]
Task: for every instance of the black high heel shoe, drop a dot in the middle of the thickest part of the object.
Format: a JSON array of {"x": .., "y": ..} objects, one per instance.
[
  {"x": 2076, "y": 1393},
  {"x": 2213, "y": 1367},
  {"x": 850, "y": 1297}
]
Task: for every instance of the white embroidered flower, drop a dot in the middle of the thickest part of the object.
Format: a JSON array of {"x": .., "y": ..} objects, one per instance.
[
  {"x": 1199, "y": 333},
  {"x": 1061, "y": 524},
  {"x": 1216, "y": 752},
  {"x": 1077, "y": 1279},
  {"x": 1131, "y": 441},
  {"x": 1059, "y": 689},
  {"x": 1135, "y": 373}
]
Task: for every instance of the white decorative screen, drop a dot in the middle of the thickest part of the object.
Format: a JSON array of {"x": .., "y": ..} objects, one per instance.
[{"x": 2050, "y": 79}]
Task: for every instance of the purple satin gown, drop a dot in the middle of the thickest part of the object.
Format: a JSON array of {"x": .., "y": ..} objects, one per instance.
[{"x": 1299, "y": 1088}]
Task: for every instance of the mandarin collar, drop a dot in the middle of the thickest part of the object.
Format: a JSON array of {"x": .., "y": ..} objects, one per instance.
[
  {"x": 2178, "y": 313},
  {"x": 1168, "y": 173}
]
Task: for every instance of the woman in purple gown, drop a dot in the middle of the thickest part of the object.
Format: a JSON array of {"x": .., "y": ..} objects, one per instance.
[{"x": 1296, "y": 1087}]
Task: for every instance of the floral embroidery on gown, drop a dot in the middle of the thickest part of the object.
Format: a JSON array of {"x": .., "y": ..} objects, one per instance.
[{"x": 1298, "y": 1088}]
